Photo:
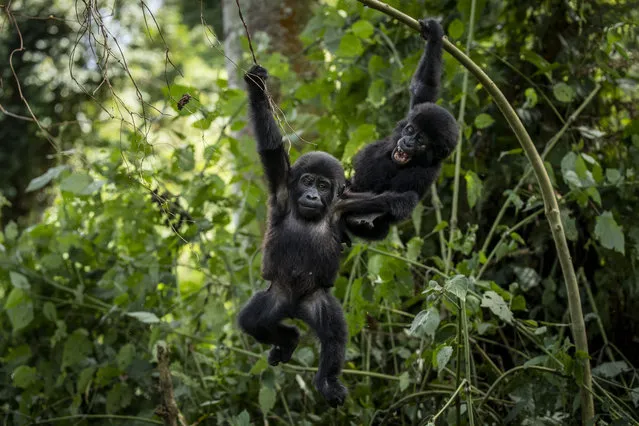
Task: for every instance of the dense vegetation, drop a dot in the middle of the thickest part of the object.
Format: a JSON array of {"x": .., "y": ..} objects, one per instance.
[{"x": 128, "y": 223}]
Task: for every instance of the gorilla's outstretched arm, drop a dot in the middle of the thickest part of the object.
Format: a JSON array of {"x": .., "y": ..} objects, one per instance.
[
  {"x": 424, "y": 86},
  {"x": 269, "y": 139}
]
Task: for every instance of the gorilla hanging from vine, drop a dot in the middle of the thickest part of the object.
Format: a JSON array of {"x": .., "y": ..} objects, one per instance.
[{"x": 400, "y": 168}]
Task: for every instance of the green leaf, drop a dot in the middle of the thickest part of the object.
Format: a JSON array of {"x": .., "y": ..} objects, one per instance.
[
  {"x": 474, "y": 188},
  {"x": 456, "y": 29},
  {"x": 19, "y": 308},
  {"x": 118, "y": 397},
  {"x": 145, "y": 317},
  {"x": 425, "y": 323},
  {"x": 563, "y": 92},
  {"x": 531, "y": 98},
  {"x": 609, "y": 370},
  {"x": 19, "y": 281},
  {"x": 457, "y": 286},
  {"x": 414, "y": 248},
  {"x": 49, "y": 311},
  {"x": 125, "y": 356},
  {"x": 44, "y": 179},
  {"x": 242, "y": 419},
  {"x": 24, "y": 376},
  {"x": 266, "y": 399},
  {"x": 364, "y": 134},
  {"x": 350, "y": 46},
  {"x": 483, "y": 120},
  {"x": 609, "y": 233},
  {"x": 441, "y": 357},
  {"x": 84, "y": 379},
  {"x": 497, "y": 305},
  {"x": 613, "y": 176},
  {"x": 518, "y": 303},
  {"x": 76, "y": 348},
  {"x": 404, "y": 381},
  {"x": 363, "y": 29},
  {"x": 377, "y": 93},
  {"x": 570, "y": 225},
  {"x": 260, "y": 366},
  {"x": 80, "y": 184}
]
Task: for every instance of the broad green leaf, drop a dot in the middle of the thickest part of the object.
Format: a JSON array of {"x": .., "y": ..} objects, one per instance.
[
  {"x": 76, "y": 348},
  {"x": 84, "y": 379},
  {"x": 457, "y": 286},
  {"x": 350, "y": 46},
  {"x": 441, "y": 357},
  {"x": 425, "y": 323},
  {"x": 267, "y": 399},
  {"x": 145, "y": 317},
  {"x": 518, "y": 303},
  {"x": 483, "y": 120},
  {"x": 11, "y": 231},
  {"x": 570, "y": 226},
  {"x": 377, "y": 93},
  {"x": 24, "y": 376},
  {"x": 456, "y": 29},
  {"x": 44, "y": 179},
  {"x": 414, "y": 248},
  {"x": 609, "y": 233},
  {"x": 497, "y": 305},
  {"x": 404, "y": 381},
  {"x": 563, "y": 92},
  {"x": 610, "y": 370},
  {"x": 19, "y": 281},
  {"x": 118, "y": 397},
  {"x": 242, "y": 419},
  {"x": 613, "y": 176},
  {"x": 125, "y": 356},
  {"x": 260, "y": 366},
  {"x": 474, "y": 188},
  {"x": 19, "y": 308},
  {"x": 364, "y": 134},
  {"x": 80, "y": 184},
  {"x": 49, "y": 311},
  {"x": 363, "y": 29}
]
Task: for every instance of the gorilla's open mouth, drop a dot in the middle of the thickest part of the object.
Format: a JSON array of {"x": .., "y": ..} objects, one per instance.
[{"x": 400, "y": 156}]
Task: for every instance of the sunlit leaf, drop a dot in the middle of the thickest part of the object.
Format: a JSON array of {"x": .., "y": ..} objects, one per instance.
[
  {"x": 483, "y": 120},
  {"x": 563, "y": 92},
  {"x": 609, "y": 233},
  {"x": 497, "y": 305},
  {"x": 44, "y": 179}
]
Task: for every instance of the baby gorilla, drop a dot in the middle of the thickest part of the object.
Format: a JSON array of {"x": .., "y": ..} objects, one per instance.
[
  {"x": 301, "y": 249},
  {"x": 400, "y": 168}
]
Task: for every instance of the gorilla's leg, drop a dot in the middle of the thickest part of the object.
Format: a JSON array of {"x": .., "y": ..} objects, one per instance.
[
  {"x": 261, "y": 319},
  {"x": 323, "y": 313}
]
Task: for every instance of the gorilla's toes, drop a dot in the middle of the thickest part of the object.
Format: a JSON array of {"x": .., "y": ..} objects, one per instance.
[
  {"x": 281, "y": 354},
  {"x": 332, "y": 390}
]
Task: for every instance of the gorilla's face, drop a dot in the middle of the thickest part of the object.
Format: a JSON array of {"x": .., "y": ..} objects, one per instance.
[
  {"x": 313, "y": 194},
  {"x": 413, "y": 142}
]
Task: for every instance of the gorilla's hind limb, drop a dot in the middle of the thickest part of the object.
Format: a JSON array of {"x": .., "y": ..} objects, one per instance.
[
  {"x": 261, "y": 318},
  {"x": 323, "y": 313}
]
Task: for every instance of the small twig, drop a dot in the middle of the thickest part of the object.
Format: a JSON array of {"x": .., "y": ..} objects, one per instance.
[{"x": 248, "y": 35}]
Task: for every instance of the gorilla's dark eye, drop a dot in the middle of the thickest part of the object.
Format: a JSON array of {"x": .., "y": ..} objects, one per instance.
[
  {"x": 323, "y": 186},
  {"x": 409, "y": 130}
]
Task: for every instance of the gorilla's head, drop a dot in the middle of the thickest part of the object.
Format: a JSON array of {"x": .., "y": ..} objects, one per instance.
[
  {"x": 429, "y": 135},
  {"x": 315, "y": 180}
]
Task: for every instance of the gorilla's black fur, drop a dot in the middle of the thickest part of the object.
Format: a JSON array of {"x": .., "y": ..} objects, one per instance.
[
  {"x": 301, "y": 249},
  {"x": 400, "y": 168}
]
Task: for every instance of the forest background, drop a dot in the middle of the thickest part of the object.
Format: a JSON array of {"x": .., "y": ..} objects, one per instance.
[{"x": 129, "y": 223}]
